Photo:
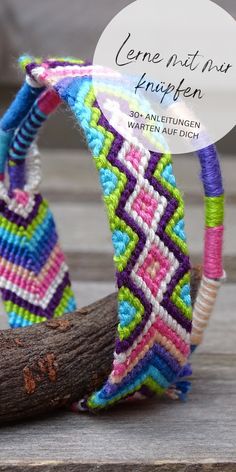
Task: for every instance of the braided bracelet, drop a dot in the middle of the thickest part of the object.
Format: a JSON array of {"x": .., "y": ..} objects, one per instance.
[{"x": 157, "y": 328}]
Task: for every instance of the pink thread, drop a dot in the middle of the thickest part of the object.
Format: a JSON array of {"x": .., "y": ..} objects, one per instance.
[
  {"x": 154, "y": 269},
  {"x": 26, "y": 282},
  {"x": 52, "y": 273},
  {"x": 145, "y": 206},
  {"x": 21, "y": 196},
  {"x": 48, "y": 101},
  {"x": 179, "y": 343},
  {"x": 20, "y": 281},
  {"x": 71, "y": 71},
  {"x": 134, "y": 157},
  {"x": 213, "y": 268},
  {"x": 148, "y": 340}
]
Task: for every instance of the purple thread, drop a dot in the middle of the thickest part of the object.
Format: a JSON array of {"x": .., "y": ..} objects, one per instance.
[
  {"x": 145, "y": 390},
  {"x": 122, "y": 346},
  {"x": 169, "y": 371},
  {"x": 57, "y": 296},
  {"x": 7, "y": 295},
  {"x": 16, "y": 174},
  {"x": 210, "y": 171},
  {"x": 52, "y": 64},
  {"x": 121, "y": 212},
  {"x": 123, "y": 277},
  {"x": 18, "y": 219},
  {"x": 155, "y": 157}
]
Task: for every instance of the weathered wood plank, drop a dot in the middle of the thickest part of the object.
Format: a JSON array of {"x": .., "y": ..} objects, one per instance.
[
  {"x": 56, "y": 466},
  {"x": 219, "y": 337},
  {"x": 84, "y": 227},
  {"x": 198, "y": 436},
  {"x": 143, "y": 436},
  {"x": 79, "y": 195},
  {"x": 36, "y": 362},
  {"x": 85, "y": 293},
  {"x": 79, "y": 173},
  {"x": 86, "y": 266}
]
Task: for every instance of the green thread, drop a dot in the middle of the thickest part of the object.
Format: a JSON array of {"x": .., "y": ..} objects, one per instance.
[
  {"x": 214, "y": 210},
  {"x": 26, "y": 59},
  {"x": 179, "y": 213},
  {"x": 23, "y": 312},
  {"x": 175, "y": 297},
  {"x": 60, "y": 309},
  {"x": 125, "y": 294},
  {"x": 149, "y": 382}
]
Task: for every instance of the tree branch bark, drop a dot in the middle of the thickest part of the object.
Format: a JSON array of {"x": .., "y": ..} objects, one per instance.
[{"x": 52, "y": 364}]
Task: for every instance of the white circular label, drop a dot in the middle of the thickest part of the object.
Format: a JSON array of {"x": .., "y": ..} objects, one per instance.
[{"x": 165, "y": 73}]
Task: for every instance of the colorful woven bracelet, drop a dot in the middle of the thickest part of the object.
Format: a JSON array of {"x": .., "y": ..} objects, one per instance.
[{"x": 157, "y": 327}]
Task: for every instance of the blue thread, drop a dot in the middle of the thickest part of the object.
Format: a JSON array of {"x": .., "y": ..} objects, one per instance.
[
  {"x": 108, "y": 181},
  {"x": 95, "y": 138},
  {"x": 37, "y": 122},
  {"x": 193, "y": 348},
  {"x": 179, "y": 229},
  {"x": 126, "y": 313},
  {"x": 165, "y": 375},
  {"x": 71, "y": 305},
  {"x": 19, "y": 144},
  {"x": 151, "y": 371},
  {"x": 183, "y": 388},
  {"x": 31, "y": 130},
  {"x": 120, "y": 241},
  {"x": 5, "y": 139},
  {"x": 19, "y": 107},
  {"x": 16, "y": 321},
  {"x": 40, "y": 115},
  {"x": 26, "y": 134},
  {"x": 17, "y": 175},
  {"x": 210, "y": 171},
  {"x": 185, "y": 294},
  {"x": 168, "y": 175}
]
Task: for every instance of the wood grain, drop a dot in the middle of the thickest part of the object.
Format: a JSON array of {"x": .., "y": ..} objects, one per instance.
[
  {"x": 39, "y": 365},
  {"x": 86, "y": 266},
  {"x": 198, "y": 435},
  {"x": 49, "y": 365},
  {"x": 160, "y": 436},
  {"x": 52, "y": 364},
  {"x": 122, "y": 467}
]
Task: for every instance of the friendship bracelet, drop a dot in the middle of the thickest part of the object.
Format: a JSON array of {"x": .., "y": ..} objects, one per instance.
[{"x": 157, "y": 328}]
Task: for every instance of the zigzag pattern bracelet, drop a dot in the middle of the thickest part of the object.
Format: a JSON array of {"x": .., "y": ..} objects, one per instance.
[{"x": 156, "y": 326}]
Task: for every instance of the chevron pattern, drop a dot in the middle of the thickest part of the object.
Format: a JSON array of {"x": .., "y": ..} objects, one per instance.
[
  {"x": 34, "y": 279},
  {"x": 145, "y": 212}
]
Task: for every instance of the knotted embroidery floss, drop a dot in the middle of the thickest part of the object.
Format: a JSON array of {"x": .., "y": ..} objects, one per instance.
[{"x": 146, "y": 217}]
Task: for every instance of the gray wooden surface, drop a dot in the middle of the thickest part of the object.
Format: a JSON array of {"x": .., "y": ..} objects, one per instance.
[
  {"x": 199, "y": 435},
  {"x": 54, "y": 27}
]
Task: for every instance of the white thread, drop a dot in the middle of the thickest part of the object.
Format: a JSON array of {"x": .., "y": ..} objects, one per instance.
[{"x": 203, "y": 307}]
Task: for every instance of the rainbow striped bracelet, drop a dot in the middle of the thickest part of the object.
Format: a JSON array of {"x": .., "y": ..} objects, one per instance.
[{"x": 157, "y": 326}]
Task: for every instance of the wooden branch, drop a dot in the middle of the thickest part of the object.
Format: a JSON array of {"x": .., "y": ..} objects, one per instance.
[{"x": 50, "y": 365}]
